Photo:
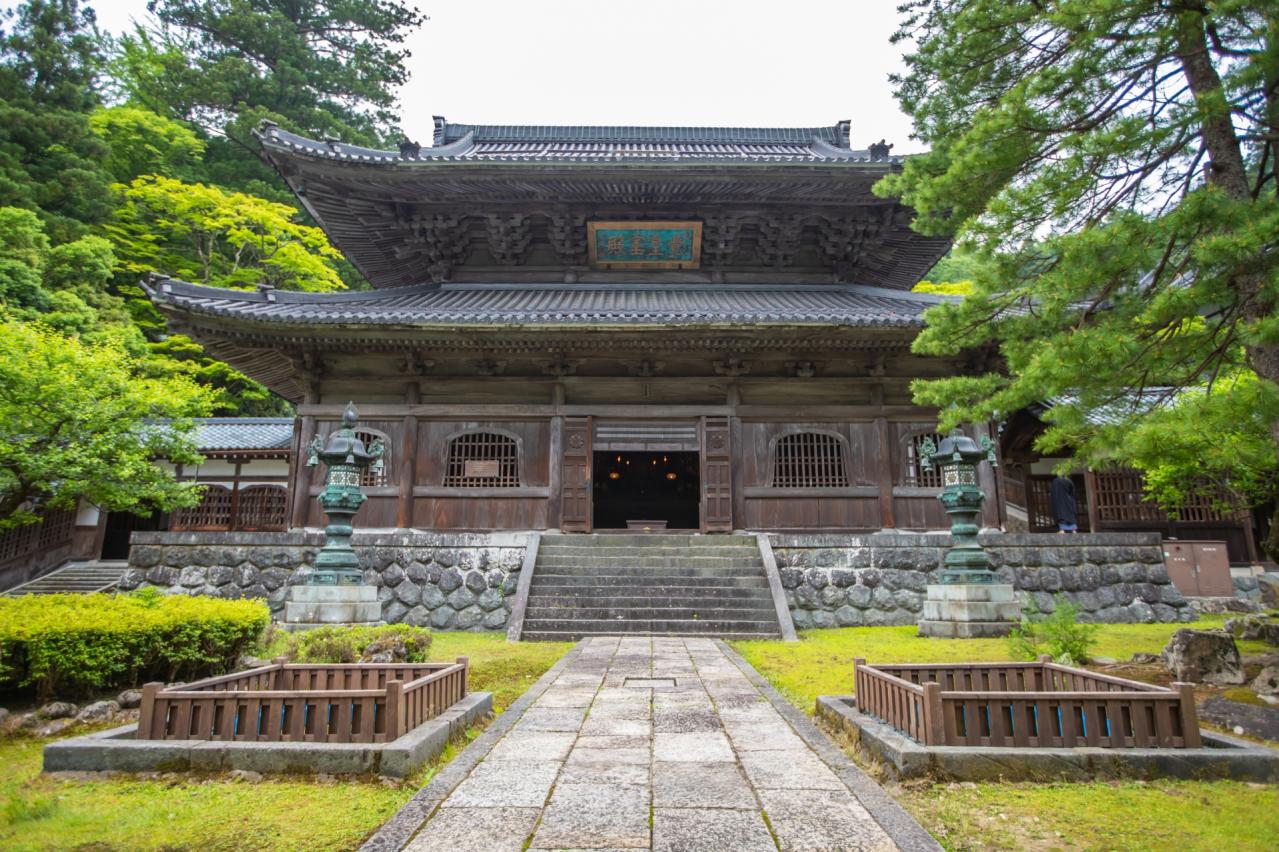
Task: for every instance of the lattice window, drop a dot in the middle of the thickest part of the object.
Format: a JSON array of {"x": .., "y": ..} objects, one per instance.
[
  {"x": 913, "y": 473},
  {"x": 262, "y": 508},
  {"x": 212, "y": 513},
  {"x": 27, "y": 539},
  {"x": 371, "y": 478},
  {"x": 483, "y": 460},
  {"x": 809, "y": 460}
]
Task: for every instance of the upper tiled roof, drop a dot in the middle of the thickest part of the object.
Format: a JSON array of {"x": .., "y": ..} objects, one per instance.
[
  {"x": 494, "y": 142},
  {"x": 244, "y": 433},
  {"x": 559, "y": 305}
]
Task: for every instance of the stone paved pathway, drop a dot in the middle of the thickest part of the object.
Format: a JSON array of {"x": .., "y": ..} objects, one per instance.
[{"x": 661, "y": 743}]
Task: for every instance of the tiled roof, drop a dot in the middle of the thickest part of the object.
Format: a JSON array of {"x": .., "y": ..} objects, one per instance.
[
  {"x": 559, "y": 305},
  {"x": 244, "y": 433},
  {"x": 488, "y": 142}
]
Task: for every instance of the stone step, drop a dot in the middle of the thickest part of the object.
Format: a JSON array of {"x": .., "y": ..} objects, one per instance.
[
  {"x": 645, "y": 581},
  {"x": 558, "y": 550},
  {"x": 664, "y": 611},
  {"x": 575, "y": 635},
  {"x": 649, "y": 572},
  {"x": 628, "y": 597},
  {"x": 74, "y": 578},
  {"x": 648, "y": 540},
  {"x": 611, "y": 558},
  {"x": 670, "y": 626}
]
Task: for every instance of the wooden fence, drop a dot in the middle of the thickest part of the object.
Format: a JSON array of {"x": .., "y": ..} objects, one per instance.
[
  {"x": 357, "y": 703},
  {"x": 1039, "y": 704}
]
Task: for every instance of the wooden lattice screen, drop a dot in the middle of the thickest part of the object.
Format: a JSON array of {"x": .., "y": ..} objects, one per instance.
[
  {"x": 28, "y": 539},
  {"x": 212, "y": 513},
  {"x": 371, "y": 478},
  {"x": 262, "y": 508},
  {"x": 1121, "y": 498},
  {"x": 1039, "y": 512},
  {"x": 482, "y": 460},
  {"x": 913, "y": 473},
  {"x": 809, "y": 460}
]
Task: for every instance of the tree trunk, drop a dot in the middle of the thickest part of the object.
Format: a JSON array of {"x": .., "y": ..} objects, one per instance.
[{"x": 1225, "y": 171}]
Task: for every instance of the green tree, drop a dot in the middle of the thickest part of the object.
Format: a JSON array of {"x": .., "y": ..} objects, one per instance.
[
  {"x": 326, "y": 68},
  {"x": 144, "y": 143},
  {"x": 201, "y": 233},
  {"x": 1112, "y": 168},
  {"x": 77, "y": 421},
  {"x": 50, "y": 159}
]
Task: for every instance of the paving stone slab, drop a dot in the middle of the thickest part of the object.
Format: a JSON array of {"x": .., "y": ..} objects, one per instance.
[
  {"x": 505, "y": 784},
  {"x": 686, "y": 721},
  {"x": 477, "y": 830},
  {"x": 796, "y": 771},
  {"x": 822, "y": 819},
  {"x": 710, "y": 831},
  {"x": 594, "y": 815},
  {"x": 704, "y": 747},
  {"x": 701, "y": 785},
  {"x": 552, "y": 719},
  {"x": 534, "y": 745}
]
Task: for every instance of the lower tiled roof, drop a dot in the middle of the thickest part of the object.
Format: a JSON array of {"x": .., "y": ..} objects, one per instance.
[
  {"x": 244, "y": 433},
  {"x": 560, "y": 305}
]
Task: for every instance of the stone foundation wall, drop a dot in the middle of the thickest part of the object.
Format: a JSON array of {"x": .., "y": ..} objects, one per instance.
[
  {"x": 447, "y": 581},
  {"x": 880, "y": 579}
]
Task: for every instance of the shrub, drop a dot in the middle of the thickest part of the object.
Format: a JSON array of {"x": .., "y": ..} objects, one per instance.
[
  {"x": 77, "y": 643},
  {"x": 1059, "y": 634},
  {"x": 349, "y": 644}
]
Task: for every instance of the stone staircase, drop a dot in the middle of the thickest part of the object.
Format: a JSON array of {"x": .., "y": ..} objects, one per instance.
[
  {"x": 74, "y": 577},
  {"x": 661, "y": 584}
]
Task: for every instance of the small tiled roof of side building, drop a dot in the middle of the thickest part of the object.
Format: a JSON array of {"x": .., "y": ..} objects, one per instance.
[
  {"x": 559, "y": 305},
  {"x": 215, "y": 434}
]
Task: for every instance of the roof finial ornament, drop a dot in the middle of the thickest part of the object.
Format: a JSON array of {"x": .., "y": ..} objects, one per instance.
[
  {"x": 879, "y": 151},
  {"x": 409, "y": 150}
]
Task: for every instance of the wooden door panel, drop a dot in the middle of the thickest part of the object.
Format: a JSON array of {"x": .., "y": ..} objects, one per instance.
[
  {"x": 575, "y": 475},
  {"x": 717, "y": 480}
]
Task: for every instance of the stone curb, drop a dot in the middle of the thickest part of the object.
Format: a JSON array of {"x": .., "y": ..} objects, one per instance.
[
  {"x": 396, "y": 832},
  {"x": 900, "y": 826},
  {"x": 1226, "y": 757},
  {"x": 115, "y": 750}
]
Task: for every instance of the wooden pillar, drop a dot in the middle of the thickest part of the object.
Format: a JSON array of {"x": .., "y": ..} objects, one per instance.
[
  {"x": 1090, "y": 490},
  {"x": 407, "y": 467},
  {"x": 302, "y": 473},
  {"x": 555, "y": 459},
  {"x": 886, "y": 519},
  {"x": 986, "y": 479}
]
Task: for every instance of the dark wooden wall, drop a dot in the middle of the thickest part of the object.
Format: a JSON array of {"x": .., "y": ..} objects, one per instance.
[{"x": 878, "y": 495}]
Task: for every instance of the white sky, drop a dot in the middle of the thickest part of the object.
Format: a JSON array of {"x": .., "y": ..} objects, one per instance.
[{"x": 695, "y": 62}]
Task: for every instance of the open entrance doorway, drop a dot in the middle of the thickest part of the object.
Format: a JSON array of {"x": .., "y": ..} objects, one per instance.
[
  {"x": 121, "y": 525},
  {"x": 661, "y": 488}
]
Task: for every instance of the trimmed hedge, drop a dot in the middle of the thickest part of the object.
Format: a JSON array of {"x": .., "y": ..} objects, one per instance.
[{"x": 77, "y": 643}]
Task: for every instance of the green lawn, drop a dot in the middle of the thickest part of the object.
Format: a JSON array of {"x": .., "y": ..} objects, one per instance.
[
  {"x": 185, "y": 811},
  {"x": 1211, "y": 815}
]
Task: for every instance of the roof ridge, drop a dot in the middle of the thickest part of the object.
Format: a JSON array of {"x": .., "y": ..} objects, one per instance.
[{"x": 446, "y": 133}]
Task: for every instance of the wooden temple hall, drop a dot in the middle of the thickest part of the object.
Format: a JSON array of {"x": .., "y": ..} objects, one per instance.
[{"x": 591, "y": 328}]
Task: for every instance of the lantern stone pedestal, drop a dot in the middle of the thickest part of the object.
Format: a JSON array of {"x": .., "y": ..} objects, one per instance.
[
  {"x": 335, "y": 592},
  {"x": 316, "y": 606},
  {"x": 969, "y": 610}
]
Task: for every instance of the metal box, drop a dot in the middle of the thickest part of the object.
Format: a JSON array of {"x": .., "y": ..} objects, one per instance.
[{"x": 1199, "y": 569}]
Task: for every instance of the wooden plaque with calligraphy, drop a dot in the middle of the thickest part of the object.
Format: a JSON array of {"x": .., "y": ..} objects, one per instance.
[
  {"x": 644, "y": 245},
  {"x": 481, "y": 469}
]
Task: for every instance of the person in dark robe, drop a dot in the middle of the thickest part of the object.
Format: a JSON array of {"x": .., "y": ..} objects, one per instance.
[{"x": 1061, "y": 498}]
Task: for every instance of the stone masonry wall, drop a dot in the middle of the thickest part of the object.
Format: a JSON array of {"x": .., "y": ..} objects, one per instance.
[
  {"x": 880, "y": 579},
  {"x": 447, "y": 581}
]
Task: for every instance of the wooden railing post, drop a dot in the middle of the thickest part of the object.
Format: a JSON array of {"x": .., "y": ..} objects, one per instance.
[
  {"x": 394, "y": 709},
  {"x": 858, "y": 662},
  {"x": 934, "y": 725},
  {"x": 1189, "y": 715},
  {"x": 146, "y": 713},
  {"x": 278, "y": 679},
  {"x": 466, "y": 670}
]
